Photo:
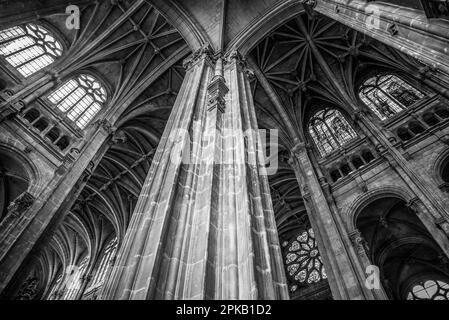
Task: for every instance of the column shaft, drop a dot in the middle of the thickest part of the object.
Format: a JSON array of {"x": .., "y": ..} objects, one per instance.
[{"x": 204, "y": 226}]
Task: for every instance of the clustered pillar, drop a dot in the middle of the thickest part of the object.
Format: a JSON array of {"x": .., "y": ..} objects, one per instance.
[{"x": 204, "y": 225}]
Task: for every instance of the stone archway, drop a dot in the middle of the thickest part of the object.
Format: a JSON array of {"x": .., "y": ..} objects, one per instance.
[
  {"x": 398, "y": 243},
  {"x": 14, "y": 181}
]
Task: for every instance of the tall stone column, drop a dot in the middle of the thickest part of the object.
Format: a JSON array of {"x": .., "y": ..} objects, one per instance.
[
  {"x": 344, "y": 270},
  {"x": 204, "y": 227}
]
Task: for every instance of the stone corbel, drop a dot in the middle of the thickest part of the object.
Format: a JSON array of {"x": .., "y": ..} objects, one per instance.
[
  {"x": 106, "y": 126},
  {"x": 217, "y": 88},
  {"x": 359, "y": 243},
  {"x": 311, "y": 3},
  {"x": 21, "y": 204},
  {"x": 299, "y": 149},
  {"x": 118, "y": 137},
  {"x": 414, "y": 204},
  {"x": 205, "y": 52},
  {"x": 236, "y": 57},
  {"x": 443, "y": 225}
]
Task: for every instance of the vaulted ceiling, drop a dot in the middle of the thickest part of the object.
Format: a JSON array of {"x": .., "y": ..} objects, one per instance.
[
  {"x": 138, "y": 55},
  {"x": 300, "y": 60},
  {"x": 302, "y": 65}
]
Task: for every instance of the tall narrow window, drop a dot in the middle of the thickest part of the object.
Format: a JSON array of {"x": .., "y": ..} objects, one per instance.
[
  {"x": 104, "y": 266},
  {"x": 330, "y": 130},
  {"x": 387, "y": 95},
  {"x": 29, "y": 48},
  {"x": 53, "y": 295},
  {"x": 80, "y": 98},
  {"x": 73, "y": 281}
]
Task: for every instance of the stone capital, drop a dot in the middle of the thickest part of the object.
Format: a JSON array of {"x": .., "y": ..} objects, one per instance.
[
  {"x": 414, "y": 204},
  {"x": 359, "y": 243},
  {"x": 105, "y": 125},
  {"x": 311, "y": 3},
  {"x": 299, "y": 148},
  {"x": 206, "y": 52},
  {"x": 235, "y": 57}
]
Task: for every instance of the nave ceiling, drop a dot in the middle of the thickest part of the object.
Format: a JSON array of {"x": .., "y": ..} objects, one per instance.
[{"x": 303, "y": 62}]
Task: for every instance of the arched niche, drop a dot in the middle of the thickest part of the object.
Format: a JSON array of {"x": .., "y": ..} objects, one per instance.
[
  {"x": 14, "y": 180},
  {"x": 400, "y": 246}
]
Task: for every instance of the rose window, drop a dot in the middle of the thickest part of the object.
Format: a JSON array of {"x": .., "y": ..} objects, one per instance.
[{"x": 303, "y": 261}]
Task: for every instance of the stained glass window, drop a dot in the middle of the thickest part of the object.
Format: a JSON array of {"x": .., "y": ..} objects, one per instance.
[
  {"x": 429, "y": 290},
  {"x": 104, "y": 265},
  {"x": 29, "y": 48},
  {"x": 54, "y": 290},
  {"x": 74, "y": 280},
  {"x": 387, "y": 95},
  {"x": 80, "y": 98},
  {"x": 303, "y": 261},
  {"x": 330, "y": 130}
]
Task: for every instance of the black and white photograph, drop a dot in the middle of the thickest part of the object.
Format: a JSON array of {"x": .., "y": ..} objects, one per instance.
[{"x": 223, "y": 155}]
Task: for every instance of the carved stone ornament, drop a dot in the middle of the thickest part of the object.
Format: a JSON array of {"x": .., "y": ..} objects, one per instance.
[
  {"x": 205, "y": 51},
  {"x": 21, "y": 204}
]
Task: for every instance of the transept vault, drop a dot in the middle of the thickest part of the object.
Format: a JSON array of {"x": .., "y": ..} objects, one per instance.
[{"x": 224, "y": 149}]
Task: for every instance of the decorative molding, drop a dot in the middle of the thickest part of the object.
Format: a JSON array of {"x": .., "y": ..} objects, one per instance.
[
  {"x": 217, "y": 91},
  {"x": 311, "y": 3},
  {"x": 393, "y": 29},
  {"x": 359, "y": 243},
  {"x": 205, "y": 52},
  {"x": 236, "y": 57},
  {"x": 21, "y": 204},
  {"x": 443, "y": 225},
  {"x": 105, "y": 125},
  {"x": 414, "y": 204}
]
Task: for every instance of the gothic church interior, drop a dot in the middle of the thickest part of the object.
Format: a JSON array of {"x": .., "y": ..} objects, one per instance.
[{"x": 349, "y": 99}]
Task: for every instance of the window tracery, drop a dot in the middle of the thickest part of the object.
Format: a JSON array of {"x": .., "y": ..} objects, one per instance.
[
  {"x": 429, "y": 290},
  {"x": 80, "y": 98},
  {"x": 29, "y": 48},
  {"x": 74, "y": 280},
  {"x": 387, "y": 95},
  {"x": 303, "y": 261},
  {"x": 330, "y": 130},
  {"x": 105, "y": 264}
]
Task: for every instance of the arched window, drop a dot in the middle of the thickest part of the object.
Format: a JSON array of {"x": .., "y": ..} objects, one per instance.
[
  {"x": 387, "y": 95},
  {"x": 303, "y": 261},
  {"x": 29, "y": 48},
  {"x": 104, "y": 265},
  {"x": 53, "y": 295},
  {"x": 429, "y": 290},
  {"x": 80, "y": 98},
  {"x": 330, "y": 130},
  {"x": 73, "y": 280}
]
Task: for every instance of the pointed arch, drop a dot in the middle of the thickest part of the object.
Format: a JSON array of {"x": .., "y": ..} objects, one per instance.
[
  {"x": 80, "y": 98},
  {"x": 30, "y": 48},
  {"x": 329, "y": 130},
  {"x": 388, "y": 94}
]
